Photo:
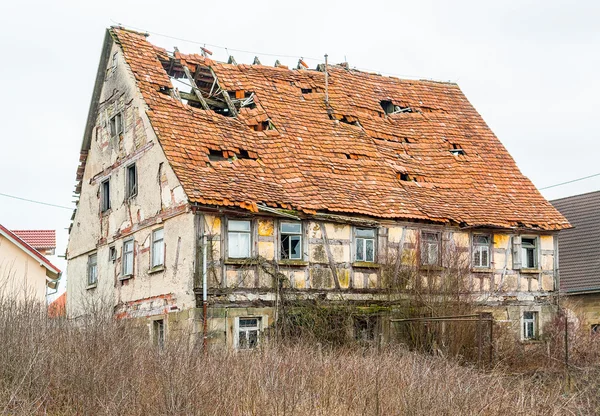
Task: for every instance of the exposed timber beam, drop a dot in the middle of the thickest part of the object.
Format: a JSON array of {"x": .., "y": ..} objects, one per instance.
[{"x": 195, "y": 88}]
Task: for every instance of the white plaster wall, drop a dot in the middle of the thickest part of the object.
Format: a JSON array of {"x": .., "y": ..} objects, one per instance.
[{"x": 160, "y": 198}]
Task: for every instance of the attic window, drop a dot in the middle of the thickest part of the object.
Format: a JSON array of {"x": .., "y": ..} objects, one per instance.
[
  {"x": 116, "y": 125},
  {"x": 306, "y": 90},
  {"x": 457, "y": 150}
]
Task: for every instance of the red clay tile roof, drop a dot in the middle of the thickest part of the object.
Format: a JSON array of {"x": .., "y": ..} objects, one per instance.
[
  {"x": 348, "y": 158},
  {"x": 38, "y": 239},
  {"x": 58, "y": 308}
]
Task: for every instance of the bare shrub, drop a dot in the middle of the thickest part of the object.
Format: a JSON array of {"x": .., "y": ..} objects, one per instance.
[{"x": 106, "y": 367}]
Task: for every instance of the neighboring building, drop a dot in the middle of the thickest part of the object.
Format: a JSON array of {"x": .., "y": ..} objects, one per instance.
[
  {"x": 322, "y": 179},
  {"x": 44, "y": 241},
  {"x": 25, "y": 273},
  {"x": 579, "y": 249},
  {"x": 58, "y": 308}
]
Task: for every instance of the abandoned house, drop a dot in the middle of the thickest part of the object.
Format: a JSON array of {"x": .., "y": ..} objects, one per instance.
[
  {"x": 579, "y": 249},
  {"x": 230, "y": 186}
]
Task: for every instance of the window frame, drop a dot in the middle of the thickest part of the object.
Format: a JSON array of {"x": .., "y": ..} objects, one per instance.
[
  {"x": 124, "y": 258},
  {"x": 152, "y": 254},
  {"x": 475, "y": 246},
  {"x": 92, "y": 262},
  {"x": 131, "y": 191},
  {"x": 363, "y": 241},
  {"x": 283, "y": 234},
  {"x": 526, "y": 335},
  {"x": 105, "y": 204},
  {"x": 238, "y": 329},
  {"x": 159, "y": 332},
  {"x": 524, "y": 254},
  {"x": 422, "y": 243},
  {"x": 238, "y": 233},
  {"x": 116, "y": 129}
]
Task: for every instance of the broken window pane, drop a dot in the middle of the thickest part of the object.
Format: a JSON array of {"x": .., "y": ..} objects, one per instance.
[
  {"x": 116, "y": 125},
  {"x": 529, "y": 252},
  {"x": 131, "y": 187},
  {"x": 248, "y": 333},
  {"x": 291, "y": 240}
]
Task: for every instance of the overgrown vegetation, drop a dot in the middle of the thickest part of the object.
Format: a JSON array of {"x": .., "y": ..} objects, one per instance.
[{"x": 104, "y": 367}]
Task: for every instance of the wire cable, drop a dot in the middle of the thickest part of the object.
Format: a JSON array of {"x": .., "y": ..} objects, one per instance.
[
  {"x": 36, "y": 202},
  {"x": 571, "y": 181}
]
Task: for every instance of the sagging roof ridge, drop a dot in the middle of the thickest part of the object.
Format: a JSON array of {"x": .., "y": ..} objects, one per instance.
[{"x": 445, "y": 112}]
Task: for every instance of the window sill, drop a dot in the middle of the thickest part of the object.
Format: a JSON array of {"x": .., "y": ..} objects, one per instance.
[
  {"x": 156, "y": 269},
  {"x": 482, "y": 270},
  {"x": 431, "y": 268},
  {"x": 106, "y": 212},
  {"x": 365, "y": 265},
  {"x": 531, "y": 341},
  {"x": 531, "y": 271},
  {"x": 288, "y": 262},
  {"x": 126, "y": 277},
  {"x": 242, "y": 262},
  {"x": 92, "y": 286}
]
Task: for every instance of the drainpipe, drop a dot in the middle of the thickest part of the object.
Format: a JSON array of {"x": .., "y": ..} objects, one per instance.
[{"x": 204, "y": 296}]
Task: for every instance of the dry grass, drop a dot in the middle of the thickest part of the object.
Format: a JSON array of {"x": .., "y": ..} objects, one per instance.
[{"x": 101, "y": 367}]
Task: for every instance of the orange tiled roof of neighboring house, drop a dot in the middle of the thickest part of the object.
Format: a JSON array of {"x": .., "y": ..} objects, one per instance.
[
  {"x": 58, "y": 307},
  {"x": 38, "y": 239},
  {"x": 434, "y": 159}
]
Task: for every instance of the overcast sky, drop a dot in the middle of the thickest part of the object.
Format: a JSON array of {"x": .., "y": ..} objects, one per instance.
[{"x": 529, "y": 67}]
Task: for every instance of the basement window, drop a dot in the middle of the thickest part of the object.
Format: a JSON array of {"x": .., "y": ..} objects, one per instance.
[
  {"x": 365, "y": 328},
  {"x": 116, "y": 125},
  {"x": 247, "y": 333},
  {"x": 131, "y": 181},
  {"x": 158, "y": 333},
  {"x": 530, "y": 325}
]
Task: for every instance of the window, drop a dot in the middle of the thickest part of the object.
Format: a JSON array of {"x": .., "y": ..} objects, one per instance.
[
  {"x": 128, "y": 258},
  {"x": 158, "y": 333},
  {"x": 158, "y": 248},
  {"x": 430, "y": 249},
  {"x": 238, "y": 235},
  {"x": 116, "y": 125},
  {"x": 529, "y": 252},
  {"x": 365, "y": 328},
  {"x": 131, "y": 181},
  {"x": 481, "y": 250},
  {"x": 364, "y": 240},
  {"x": 112, "y": 254},
  {"x": 530, "y": 325},
  {"x": 92, "y": 274},
  {"x": 291, "y": 240},
  {"x": 105, "y": 195},
  {"x": 248, "y": 333}
]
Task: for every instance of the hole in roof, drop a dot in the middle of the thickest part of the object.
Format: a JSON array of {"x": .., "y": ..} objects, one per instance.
[
  {"x": 406, "y": 177},
  {"x": 263, "y": 125},
  {"x": 391, "y": 108},
  {"x": 348, "y": 156},
  {"x": 457, "y": 150},
  {"x": 224, "y": 155},
  {"x": 306, "y": 90}
]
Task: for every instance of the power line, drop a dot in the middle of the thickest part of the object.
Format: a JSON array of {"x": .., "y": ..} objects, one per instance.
[
  {"x": 226, "y": 49},
  {"x": 36, "y": 202},
  {"x": 571, "y": 181}
]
